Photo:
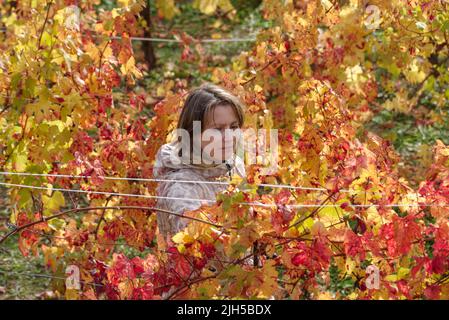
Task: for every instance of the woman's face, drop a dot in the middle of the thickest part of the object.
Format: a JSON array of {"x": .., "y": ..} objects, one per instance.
[{"x": 219, "y": 136}]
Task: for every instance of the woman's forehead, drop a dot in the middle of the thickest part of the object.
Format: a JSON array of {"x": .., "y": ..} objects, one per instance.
[{"x": 222, "y": 114}]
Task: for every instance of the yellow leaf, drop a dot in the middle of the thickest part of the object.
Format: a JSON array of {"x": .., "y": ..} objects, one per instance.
[
  {"x": 206, "y": 6},
  {"x": 182, "y": 238},
  {"x": 374, "y": 217},
  {"x": 391, "y": 278},
  {"x": 305, "y": 225},
  {"x": 181, "y": 248},
  {"x": 258, "y": 88},
  {"x": 20, "y": 162},
  {"x": 54, "y": 202},
  {"x": 115, "y": 13},
  {"x": 124, "y": 3},
  {"x": 210, "y": 6},
  {"x": 413, "y": 73},
  {"x": 352, "y": 296},
  {"x": 72, "y": 294},
  {"x": 330, "y": 215},
  {"x": 167, "y": 8},
  {"x": 269, "y": 284},
  {"x": 130, "y": 68},
  {"x": 349, "y": 265},
  {"x": 325, "y": 295},
  {"x": 355, "y": 77},
  {"x": 125, "y": 289},
  {"x": 236, "y": 179},
  {"x": 403, "y": 273}
]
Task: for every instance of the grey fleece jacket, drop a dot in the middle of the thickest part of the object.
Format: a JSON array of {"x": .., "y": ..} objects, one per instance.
[{"x": 168, "y": 166}]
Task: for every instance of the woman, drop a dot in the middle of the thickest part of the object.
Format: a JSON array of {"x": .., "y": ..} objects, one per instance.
[{"x": 219, "y": 114}]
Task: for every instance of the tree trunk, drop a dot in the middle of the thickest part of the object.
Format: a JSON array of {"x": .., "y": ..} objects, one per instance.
[{"x": 147, "y": 46}]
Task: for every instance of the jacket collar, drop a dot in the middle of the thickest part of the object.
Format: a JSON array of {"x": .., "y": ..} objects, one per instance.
[{"x": 167, "y": 160}]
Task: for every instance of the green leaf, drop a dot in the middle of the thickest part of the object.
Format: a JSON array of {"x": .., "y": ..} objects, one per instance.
[
  {"x": 20, "y": 162},
  {"x": 56, "y": 224},
  {"x": 53, "y": 203},
  {"x": 24, "y": 197}
]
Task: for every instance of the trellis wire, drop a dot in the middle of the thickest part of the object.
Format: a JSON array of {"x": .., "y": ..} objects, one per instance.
[
  {"x": 170, "y": 40},
  {"x": 257, "y": 204},
  {"x": 161, "y": 180},
  {"x": 44, "y": 275},
  {"x": 180, "y": 41}
]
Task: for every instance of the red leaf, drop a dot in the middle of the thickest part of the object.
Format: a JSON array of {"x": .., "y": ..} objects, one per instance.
[
  {"x": 353, "y": 245},
  {"x": 208, "y": 249},
  {"x": 432, "y": 292},
  {"x": 399, "y": 235}
]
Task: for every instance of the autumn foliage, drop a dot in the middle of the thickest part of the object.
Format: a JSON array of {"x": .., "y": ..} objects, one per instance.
[{"x": 67, "y": 107}]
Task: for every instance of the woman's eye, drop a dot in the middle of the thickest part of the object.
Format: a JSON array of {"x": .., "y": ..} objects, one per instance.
[{"x": 224, "y": 129}]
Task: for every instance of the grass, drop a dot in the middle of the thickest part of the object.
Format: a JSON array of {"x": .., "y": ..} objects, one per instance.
[
  {"x": 15, "y": 269},
  {"x": 17, "y": 280},
  {"x": 411, "y": 140}
]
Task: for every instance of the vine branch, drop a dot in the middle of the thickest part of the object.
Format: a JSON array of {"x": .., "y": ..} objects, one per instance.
[{"x": 76, "y": 210}]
